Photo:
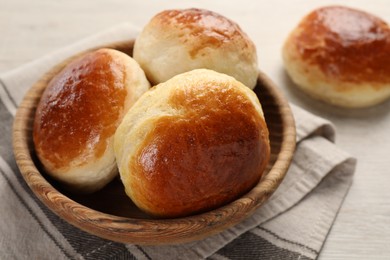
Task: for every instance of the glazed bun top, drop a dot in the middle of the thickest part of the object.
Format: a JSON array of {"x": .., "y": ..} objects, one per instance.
[
  {"x": 79, "y": 112},
  {"x": 346, "y": 44},
  {"x": 191, "y": 144},
  {"x": 176, "y": 41}
]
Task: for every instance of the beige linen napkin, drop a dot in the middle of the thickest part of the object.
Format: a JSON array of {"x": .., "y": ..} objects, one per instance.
[{"x": 293, "y": 224}]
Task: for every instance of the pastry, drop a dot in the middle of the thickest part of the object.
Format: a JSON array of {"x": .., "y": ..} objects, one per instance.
[
  {"x": 341, "y": 56},
  {"x": 78, "y": 114},
  {"x": 176, "y": 41},
  {"x": 191, "y": 144}
]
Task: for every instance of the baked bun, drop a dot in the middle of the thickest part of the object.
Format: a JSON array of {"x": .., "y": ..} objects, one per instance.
[
  {"x": 191, "y": 144},
  {"x": 340, "y": 55},
  {"x": 176, "y": 41},
  {"x": 78, "y": 114}
]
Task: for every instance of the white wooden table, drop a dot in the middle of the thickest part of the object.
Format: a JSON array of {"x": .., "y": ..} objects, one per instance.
[{"x": 30, "y": 29}]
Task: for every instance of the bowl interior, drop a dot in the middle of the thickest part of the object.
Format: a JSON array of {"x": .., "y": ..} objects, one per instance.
[{"x": 109, "y": 213}]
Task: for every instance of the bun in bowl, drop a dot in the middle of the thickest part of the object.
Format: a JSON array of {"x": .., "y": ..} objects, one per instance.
[
  {"x": 341, "y": 56},
  {"x": 191, "y": 144},
  {"x": 78, "y": 114},
  {"x": 177, "y": 41}
]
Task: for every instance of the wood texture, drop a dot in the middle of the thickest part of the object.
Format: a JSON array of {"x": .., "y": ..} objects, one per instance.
[{"x": 122, "y": 221}]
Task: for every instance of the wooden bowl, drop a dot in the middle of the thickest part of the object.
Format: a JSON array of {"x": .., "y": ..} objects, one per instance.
[{"x": 122, "y": 221}]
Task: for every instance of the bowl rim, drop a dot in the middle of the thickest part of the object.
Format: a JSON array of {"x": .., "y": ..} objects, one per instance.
[{"x": 147, "y": 231}]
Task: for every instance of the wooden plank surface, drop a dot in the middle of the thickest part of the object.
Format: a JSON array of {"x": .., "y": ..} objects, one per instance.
[{"x": 30, "y": 29}]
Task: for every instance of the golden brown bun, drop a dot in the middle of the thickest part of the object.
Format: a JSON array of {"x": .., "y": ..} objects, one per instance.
[
  {"x": 191, "y": 144},
  {"x": 340, "y": 55},
  {"x": 176, "y": 41},
  {"x": 78, "y": 114}
]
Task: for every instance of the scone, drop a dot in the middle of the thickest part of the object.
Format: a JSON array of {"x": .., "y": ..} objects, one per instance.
[
  {"x": 78, "y": 114},
  {"x": 193, "y": 143},
  {"x": 176, "y": 41},
  {"x": 341, "y": 56}
]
